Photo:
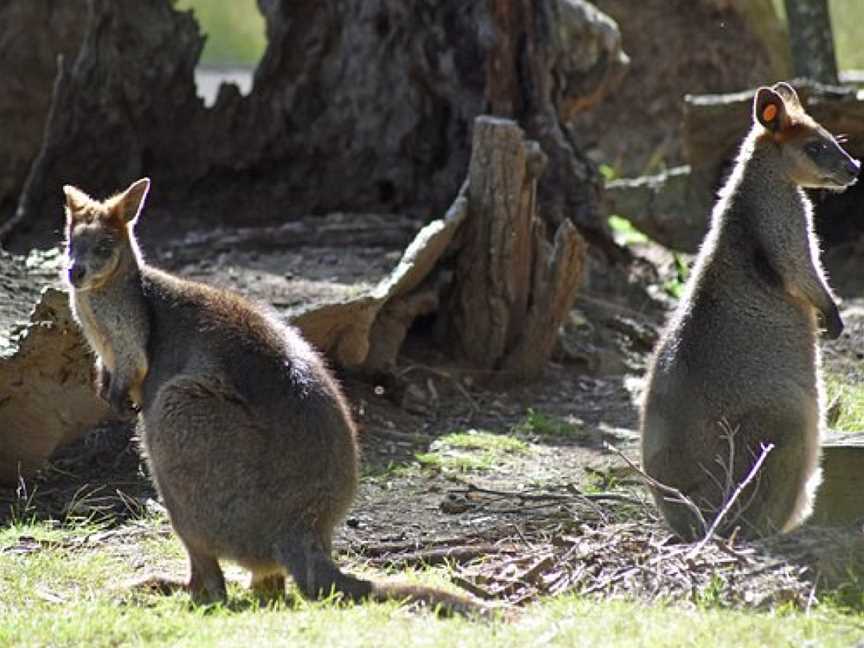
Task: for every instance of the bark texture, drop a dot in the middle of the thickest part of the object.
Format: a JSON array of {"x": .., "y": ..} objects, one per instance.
[
  {"x": 32, "y": 35},
  {"x": 811, "y": 40},
  {"x": 512, "y": 289},
  {"x": 357, "y": 104},
  {"x": 115, "y": 112}
]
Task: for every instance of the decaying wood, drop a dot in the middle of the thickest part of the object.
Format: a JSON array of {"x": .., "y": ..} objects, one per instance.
[
  {"x": 345, "y": 330},
  {"x": 32, "y": 34},
  {"x": 511, "y": 288},
  {"x": 46, "y": 387},
  {"x": 355, "y": 105},
  {"x": 116, "y": 108}
]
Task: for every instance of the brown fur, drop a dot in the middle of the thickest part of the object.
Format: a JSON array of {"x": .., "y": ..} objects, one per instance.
[{"x": 248, "y": 437}]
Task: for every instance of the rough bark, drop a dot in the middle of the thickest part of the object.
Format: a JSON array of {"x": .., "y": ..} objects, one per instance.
[
  {"x": 46, "y": 388},
  {"x": 115, "y": 110},
  {"x": 511, "y": 289},
  {"x": 812, "y": 41},
  {"x": 356, "y": 104},
  {"x": 32, "y": 34}
]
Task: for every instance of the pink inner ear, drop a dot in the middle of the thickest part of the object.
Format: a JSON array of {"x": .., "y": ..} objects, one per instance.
[{"x": 769, "y": 113}]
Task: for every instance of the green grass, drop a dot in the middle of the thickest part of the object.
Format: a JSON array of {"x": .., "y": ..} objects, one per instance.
[
  {"x": 235, "y": 30},
  {"x": 469, "y": 451},
  {"x": 623, "y": 231},
  {"x": 846, "y": 403},
  {"x": 236, "y": 34},
  {"x": 70, "y": 595},
  {"x": 538, "y": 425}
]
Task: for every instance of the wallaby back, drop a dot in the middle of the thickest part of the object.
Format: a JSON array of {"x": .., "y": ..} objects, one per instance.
[
  {"x": 737, "y": 368},
  {"x": 247, "y": 435}
]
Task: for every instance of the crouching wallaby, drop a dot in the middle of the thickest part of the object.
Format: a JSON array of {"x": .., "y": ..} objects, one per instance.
[
  {"x": 247, "y": 435},
  {"x": 737, "y": 368}
]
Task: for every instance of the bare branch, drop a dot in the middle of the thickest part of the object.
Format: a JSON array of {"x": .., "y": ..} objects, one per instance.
[
  {"x": 728, "y": 505},
  {"x": 677, "y": 495}
]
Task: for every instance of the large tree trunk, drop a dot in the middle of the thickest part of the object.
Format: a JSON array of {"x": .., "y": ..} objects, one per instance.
[
  {"x": 115, "y": 113},
  {"x": 361, "y": 104},
  {"x": 32, "y": 34},
  {"x": 812, "y": 41}
]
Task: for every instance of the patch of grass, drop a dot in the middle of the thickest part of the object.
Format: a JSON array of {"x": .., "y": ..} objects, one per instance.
[
  {"x": 845, "y": 404},
  {"x": 539, "y": 425},
  {"x": 623, "y": 231},
  {"x": 471, "y": 450},
  {"x": 392, "y": 470},
  {"x": 674, "y": 287},
  {"x": 66, "y": 597},
  {"x": 608, "y": 172},
  {"x": 235, "y": 30}
]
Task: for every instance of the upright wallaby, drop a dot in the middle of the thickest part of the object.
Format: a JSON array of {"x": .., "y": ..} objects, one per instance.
[
  {"x": 247, "y": 435},
  {"x": 738, "y": 365}
]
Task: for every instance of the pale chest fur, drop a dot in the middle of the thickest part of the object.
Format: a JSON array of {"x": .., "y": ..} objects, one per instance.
[{"x": 94, "y": 330}]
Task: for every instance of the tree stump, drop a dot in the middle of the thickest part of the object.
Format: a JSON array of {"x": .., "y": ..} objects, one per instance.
[
  {"x": 511, "y": 288},
  {"x": 46, "y": 386},
  {"x": 32, "y": 34},
  {"x": 357, "y": 105}
]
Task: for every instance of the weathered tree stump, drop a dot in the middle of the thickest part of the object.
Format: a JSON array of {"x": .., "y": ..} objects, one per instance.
[
  {"x": 46, "y": 387},
  {"x": 511, "y": 288},
  {"x": 358, "y": 105},
  {"x": 32, "y": 34},
  {"x": 115, "y": 112}
]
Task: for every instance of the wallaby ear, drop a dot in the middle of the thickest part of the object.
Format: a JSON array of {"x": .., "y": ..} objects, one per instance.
[
  {"x": 788, "y": 93},
  {"x": 76, "y": 200},
  {"x": 769, "y": 109},
  {"x": 129, "y": 203}
]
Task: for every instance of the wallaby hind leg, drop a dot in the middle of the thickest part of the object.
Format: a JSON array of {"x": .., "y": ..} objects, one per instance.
[
  {"x": 776, "y": 502},
  {"x": 206, "y": 582},
  {"x": 316, "y": 575},
  {"x": 267, "y": 585}
]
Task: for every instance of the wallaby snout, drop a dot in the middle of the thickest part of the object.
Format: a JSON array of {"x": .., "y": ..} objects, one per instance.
[{"x": 76, "y": 273}]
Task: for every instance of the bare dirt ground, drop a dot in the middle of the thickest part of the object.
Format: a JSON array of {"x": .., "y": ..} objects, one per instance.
[{"x": 450, "y": 469}]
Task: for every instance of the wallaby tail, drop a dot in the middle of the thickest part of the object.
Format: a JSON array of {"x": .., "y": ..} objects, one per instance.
[{"x": 317, "y": 575}]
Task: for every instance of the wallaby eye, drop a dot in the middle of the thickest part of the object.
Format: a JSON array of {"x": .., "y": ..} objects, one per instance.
[
  {"x": 814, "y": 148},
  {"x": 104, "y": 248}
]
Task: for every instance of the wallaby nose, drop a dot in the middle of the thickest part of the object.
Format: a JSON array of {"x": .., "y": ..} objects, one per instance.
[
  {"x": 853, "y": 166},
  {"x": 76, "y": 274}
]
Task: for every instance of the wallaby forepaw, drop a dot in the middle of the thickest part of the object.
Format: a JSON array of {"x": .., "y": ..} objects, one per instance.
[
  {"x": 832, "y": 323},
  {"x": 121, "y": 404}
]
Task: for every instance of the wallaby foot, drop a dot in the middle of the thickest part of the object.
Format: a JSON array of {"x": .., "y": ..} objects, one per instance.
[
  {"x": 269, "y": 586},
  {"x": 316, "y": 575},
  {"x": 206, "y": 583}
]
